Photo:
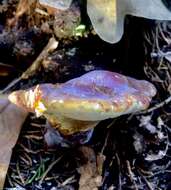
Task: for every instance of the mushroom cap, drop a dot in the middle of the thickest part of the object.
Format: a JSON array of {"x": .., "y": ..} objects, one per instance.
[{"x": 94, "y": 96}]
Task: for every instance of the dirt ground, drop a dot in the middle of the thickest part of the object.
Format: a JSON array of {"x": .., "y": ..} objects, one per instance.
[{"x": 130, "y": 152}]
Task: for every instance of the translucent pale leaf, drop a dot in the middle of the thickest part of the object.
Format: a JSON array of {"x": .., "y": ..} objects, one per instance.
[
  {"x": 107, "y": 16},
  {"x": 59, "y": 4}
]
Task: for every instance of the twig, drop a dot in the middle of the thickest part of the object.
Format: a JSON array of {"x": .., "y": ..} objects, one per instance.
[
  {"x": 48, "y": 169},
  {"x": 32, "y": 136},
  {"x": 119, "y": 173},
  {"x": 131, "y": 175},
  {"x": 14, "y": 82},
  {"x": 6, "y": 65},
  {"x": 107, "y": 136},
  {"x": 30, "y": 151},
  {"x": 146, "y": 181},
  {"x": 68, "y": 181},
  {"x": 157, "y": 106},
  {"x": 10, "y": 181},
  {"x": 24, "y": 160},
  {"x": 36, "y": 125},
  {"x": 147, "y": 173},
  {"x": 51, "y": 46},
  {"x": 19, "y": 174},
  {"x": 105, "y": 143}
]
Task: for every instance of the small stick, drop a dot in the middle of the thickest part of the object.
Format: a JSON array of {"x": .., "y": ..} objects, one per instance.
[
  {"x": 51, "y": 46},
  {"x": 19, "y": 174},
  {"x": 29, "y": 150},
  {"x": 48, "y": 169},
  {"x": 119, "y": 168},
  {"x": 26, "y": 162},
  {"x": 146, "y": 181},
  {"x": 68, "y": 181},
  {"x": 35, "y": 137},
  {"x": 157, "y": 106},
  {"x": 131, "y": 175},
  {"x": 10, "y": 85},
  {"x": 105, "y": 143}
]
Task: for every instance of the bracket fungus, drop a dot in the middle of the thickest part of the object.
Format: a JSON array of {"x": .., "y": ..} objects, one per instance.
[
  {"x": 81, "y": 103},
  {"x": 107, "y": 16}
]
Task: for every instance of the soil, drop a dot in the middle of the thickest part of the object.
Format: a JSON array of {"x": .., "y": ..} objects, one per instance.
[{"x": 136, "y": 148}]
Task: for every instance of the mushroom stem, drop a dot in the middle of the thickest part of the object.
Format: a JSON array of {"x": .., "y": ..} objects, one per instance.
[{"x": 68, "y": 126}]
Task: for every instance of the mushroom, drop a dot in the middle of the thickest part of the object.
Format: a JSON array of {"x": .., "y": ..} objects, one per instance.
[
  {"x": 81, "y": 103},
  {"x": 107, "y": 16}
]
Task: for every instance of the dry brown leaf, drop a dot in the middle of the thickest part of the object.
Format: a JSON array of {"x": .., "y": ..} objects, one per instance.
[
  {"x": 23, "y": 7},
  {"x": 11, "y": 120},
  {"x": 91, "y": 172}
]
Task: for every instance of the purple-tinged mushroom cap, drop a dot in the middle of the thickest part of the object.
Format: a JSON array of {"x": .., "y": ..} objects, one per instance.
[{"x": 81, "y": 103}]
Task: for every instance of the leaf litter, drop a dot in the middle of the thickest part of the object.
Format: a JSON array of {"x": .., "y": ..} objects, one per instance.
[
  {"x": 136, "y": 152},
  {"x": 11, "y": 121}
]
